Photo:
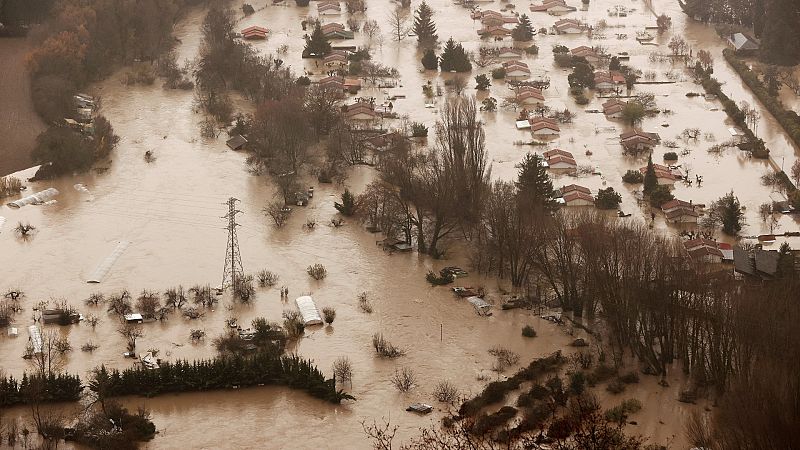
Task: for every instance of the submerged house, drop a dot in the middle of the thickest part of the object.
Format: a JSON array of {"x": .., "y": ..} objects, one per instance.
[
  {"x": 742, "y": 43},
  {"x": 587, "y": 53},
  {"x": 703, "y": 250},
  {"x": 529, "y": 97},
  {"x": 255, "y": 32},
  {"x": 360, "y": 111},
  {"x": 516, "y": 69},
  {"x": 638, "y": 141},
  {"x": 613, "y": 108},
  {"x": 568, "y": 26},
  {"x": 336, "y": 31},
  {"x": 553, "y": 7},
  {"x": 544, "y": 126}
]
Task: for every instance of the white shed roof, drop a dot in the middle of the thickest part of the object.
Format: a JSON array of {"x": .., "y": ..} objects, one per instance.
[
  {"x": 308, "y": 310},
  {"x": 39, "y": 197}
]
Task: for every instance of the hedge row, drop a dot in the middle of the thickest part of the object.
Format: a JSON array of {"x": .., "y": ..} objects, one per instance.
[
  {"x": 51, "y": 388},
  {"x": 220, "y": 373},
  {"x": 754, "y": 144},
  {"x": 788, "y": 119}
]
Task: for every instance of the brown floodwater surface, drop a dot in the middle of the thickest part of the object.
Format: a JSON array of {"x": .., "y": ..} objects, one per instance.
[{"x": 169, "y": 210}]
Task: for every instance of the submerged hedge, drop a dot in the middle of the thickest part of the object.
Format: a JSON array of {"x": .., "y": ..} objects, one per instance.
[
  {"x": 61, "y": 387},
  {"x": 788, "y": 119}
]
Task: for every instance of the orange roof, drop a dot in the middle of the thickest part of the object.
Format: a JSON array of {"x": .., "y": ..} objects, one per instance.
[
  {"x": 574, "y": 187},
  {"x": 578, "y": 195},
  {"x": 557, "y": 152}
]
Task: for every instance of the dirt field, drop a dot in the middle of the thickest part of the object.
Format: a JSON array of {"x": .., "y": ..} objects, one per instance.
[{"x": 19, "y": 124}]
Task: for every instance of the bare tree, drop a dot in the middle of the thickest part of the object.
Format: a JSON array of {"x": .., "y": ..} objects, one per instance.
[
  {"x": 49, "y": 359},
  {"x": 130, "y": 332},
  {"x": 398, "y": 23}
]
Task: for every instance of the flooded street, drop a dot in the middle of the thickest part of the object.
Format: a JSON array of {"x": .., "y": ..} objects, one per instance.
[{"x": 170, "y": 211}]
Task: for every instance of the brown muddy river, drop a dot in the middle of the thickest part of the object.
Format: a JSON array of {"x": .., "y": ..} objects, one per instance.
[{"x": 169, "y": 211}]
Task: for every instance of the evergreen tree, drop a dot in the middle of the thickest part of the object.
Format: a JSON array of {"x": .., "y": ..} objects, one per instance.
[
  {"x": 524, "y": 30},
  {"x": 780, "y": 38},
  {"x": 650, "y": 180},
  {"x": 317, "y": 45},
  {"x": 429, "y": 60},
  {"x": 730, "y": 213},
  {"x": 424, "y": 27},
  {"x": 608, "y": 198},
  {"x": 454, "y": 57},
  {"x": 535, "y": 190},
  {"x": 348, "y": 205}
]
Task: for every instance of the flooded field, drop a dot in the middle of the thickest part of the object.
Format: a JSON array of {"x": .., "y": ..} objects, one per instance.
[
  {"x": 169, "y": 210},
  {"x": 19, "y": 124}
]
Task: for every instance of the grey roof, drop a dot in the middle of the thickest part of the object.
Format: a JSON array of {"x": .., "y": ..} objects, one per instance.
[
  {"x": 762, "y": 263},
  {"x": 741, "y": 42},
  {"x": 236, "y": 142},
  {"x": 767, "y": 262}
]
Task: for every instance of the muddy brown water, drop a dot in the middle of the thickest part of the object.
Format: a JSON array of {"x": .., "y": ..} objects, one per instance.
[
  {"x": 19, "y": 124},
  {"x": 170, "y": 212}
]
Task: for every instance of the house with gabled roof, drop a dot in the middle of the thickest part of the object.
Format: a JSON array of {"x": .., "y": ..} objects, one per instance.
[
  {"x": 638, "y": 140},
  {"x": 361, "y": 111},
  {"x": 255, "y": 32},
  {"x": 578, "y": 198},
  {"x": 613, "y": 108},
  {"x": 510, "y": 52},
  {"x": 553, "y": 7},
  {"x": 568, "y": 26},
  {"x": 494, "y": 31},
  {"x": 544, "y": 126}
]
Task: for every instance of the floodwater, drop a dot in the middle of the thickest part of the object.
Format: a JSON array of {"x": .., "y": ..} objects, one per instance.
[
  {"x": 170, "y": 212},
  {"x": 19, "y": 123}
]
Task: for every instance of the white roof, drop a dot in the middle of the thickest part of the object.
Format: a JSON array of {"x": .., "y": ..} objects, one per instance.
[
  {"x": 478, "y": 303},
  {"x": 740, "y": 41},
  {"x": 102, "y": 269},
  {"x": 35, "y": 338},
  {"x": 38, "y": 197},
  {"x": 132, "y": 317},
  {"x": 308, "y": 310}
]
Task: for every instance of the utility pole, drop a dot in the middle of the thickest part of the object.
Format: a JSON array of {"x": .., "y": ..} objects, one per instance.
[{"x": 233, "y": 258}]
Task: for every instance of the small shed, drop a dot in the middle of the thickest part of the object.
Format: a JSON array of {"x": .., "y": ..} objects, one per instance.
[
  {"x": 308, "y": 310},
  {"x": 35, "y": 337},
  {"x": 236, "y": 142},
  {"x": 481, "y": 306},
  {"x": 134, "y": 318}
]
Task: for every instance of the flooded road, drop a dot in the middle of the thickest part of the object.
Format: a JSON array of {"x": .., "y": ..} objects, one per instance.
[{"x": 169, "y": 210}]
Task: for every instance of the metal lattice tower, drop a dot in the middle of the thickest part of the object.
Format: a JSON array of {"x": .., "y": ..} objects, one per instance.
[{"x": 233, "y": 259}]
